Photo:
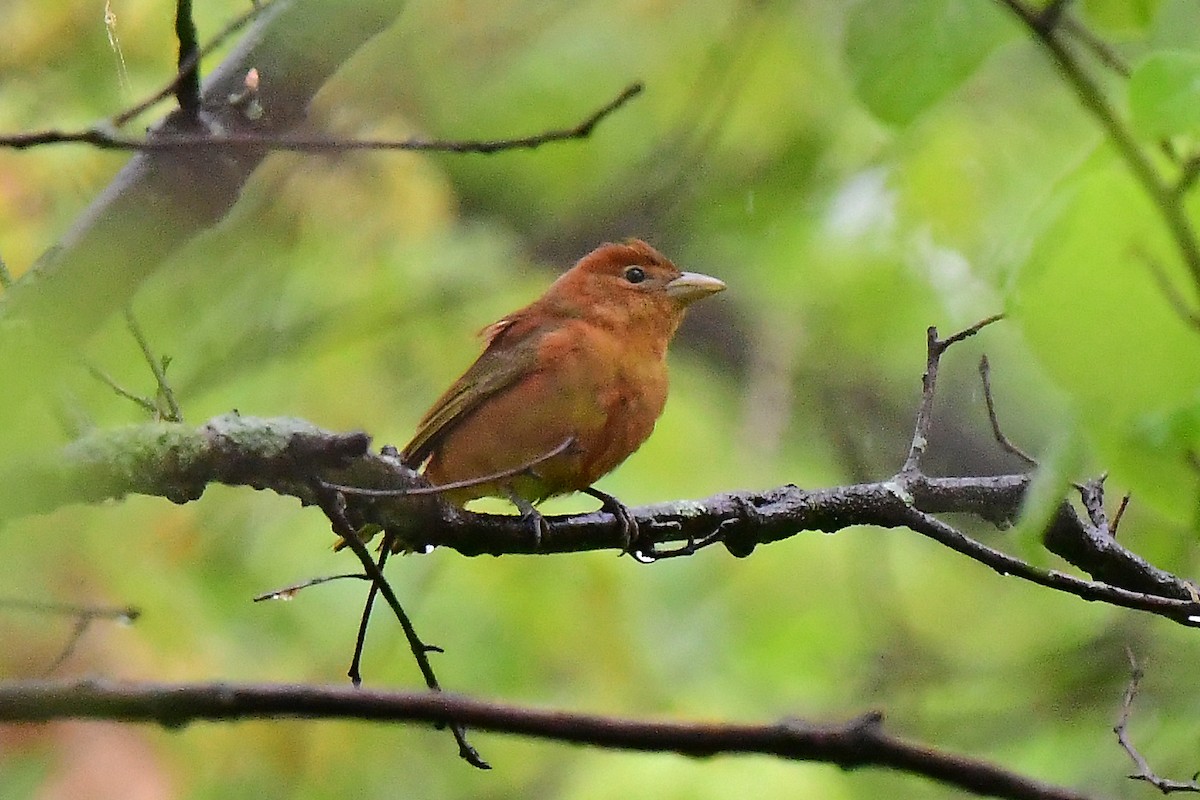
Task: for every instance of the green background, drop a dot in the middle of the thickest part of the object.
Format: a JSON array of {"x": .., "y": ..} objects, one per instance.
[{"x": 855, "y": 173}]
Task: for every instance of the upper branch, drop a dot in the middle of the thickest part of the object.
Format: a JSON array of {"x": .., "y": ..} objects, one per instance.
[{"x": 105, "y": 139}]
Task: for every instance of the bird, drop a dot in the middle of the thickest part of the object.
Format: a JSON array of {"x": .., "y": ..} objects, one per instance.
[{"x": 565, "y": 389}]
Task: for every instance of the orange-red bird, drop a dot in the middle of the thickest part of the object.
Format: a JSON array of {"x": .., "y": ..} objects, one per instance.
[{"x": 579, "y": 375}]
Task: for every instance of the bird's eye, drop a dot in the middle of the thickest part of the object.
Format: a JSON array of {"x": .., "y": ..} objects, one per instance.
[{"x": 635, "y": 274}]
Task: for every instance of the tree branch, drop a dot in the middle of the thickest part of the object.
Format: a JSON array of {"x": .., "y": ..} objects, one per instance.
[
  {"x": 283, "y": 455},
  {"x": 858, "y": 743}
]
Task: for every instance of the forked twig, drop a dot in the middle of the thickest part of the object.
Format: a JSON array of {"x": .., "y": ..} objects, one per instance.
[
  {"x": 935, "y": 347},
  {"x": 360, "y": 640},
  {"x": 1121, "y": 729},
  {"x": 333, "y": 504}
]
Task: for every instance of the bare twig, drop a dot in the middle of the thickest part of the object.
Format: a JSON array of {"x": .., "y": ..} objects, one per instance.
[
  {"x": 105, "y": 139},
  {"x": 1116, "y": 523},
  {"x": 360, "y": 640},
  {"x": 934, "y": 349},
  {"x": 858, "y": 743},
  {"x": 985, "y": 374},
  {"x": 1121, "y": 729},
  {"x": 1179, "y": 304},
  {"x": 1188, "y": 174},
  {"x": 333, "y": 504},
  {"x": 289, "y": 592},
  {"x": 1104, "y": 52}
]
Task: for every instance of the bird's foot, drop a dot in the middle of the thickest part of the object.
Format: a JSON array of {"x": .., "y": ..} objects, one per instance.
[
  {"x": 533, "y": 519},
  {"x": 631, "y": 540}
]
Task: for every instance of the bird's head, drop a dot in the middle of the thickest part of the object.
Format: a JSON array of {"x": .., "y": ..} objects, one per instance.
[{"x": 632, "y": 285}]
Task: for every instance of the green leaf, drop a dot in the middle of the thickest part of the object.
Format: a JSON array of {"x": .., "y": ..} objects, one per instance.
[
  {"x": 1164, "y": 94},
  {"x": 1098, "y": 322},
  {"x": 904, "y": 56}
]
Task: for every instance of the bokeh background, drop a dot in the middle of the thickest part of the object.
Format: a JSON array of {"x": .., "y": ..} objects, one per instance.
[{"x": 854, "y": 171}]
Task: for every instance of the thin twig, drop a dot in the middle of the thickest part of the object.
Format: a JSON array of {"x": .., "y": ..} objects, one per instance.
[
  {"x": 120, "y": 613},
  {"x": 926, "y": 524},
  {"x": 1188, "y": 174},
  {"x": 1104, "y": 52},
  {"x": 360, "y": 639},
  {"x": 109, "y": 140},
  {"x": 985, "y": 373},
  {"x": 1116, "y": 523},
  {"x": 142, "y": 402},
  {"x": 520, "y": 469},
  {"x": 173, "y": 413},
  {"x": 289, "y": 592},
  {"x": 333, "y": 504},
  {"x": 1121, "y": 729}
]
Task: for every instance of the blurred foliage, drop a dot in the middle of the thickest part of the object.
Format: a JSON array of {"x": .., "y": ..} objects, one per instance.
[{"x": 855, "y": 172}]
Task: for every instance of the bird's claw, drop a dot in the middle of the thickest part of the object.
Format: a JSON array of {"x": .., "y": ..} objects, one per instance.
[
  {"x": 631, "y": 536},
  {"x": 532, "y": 518},
  {"x": 538, "y": 526}
]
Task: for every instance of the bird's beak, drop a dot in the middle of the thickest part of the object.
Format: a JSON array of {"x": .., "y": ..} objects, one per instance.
[{"x": 691, "y": 286}]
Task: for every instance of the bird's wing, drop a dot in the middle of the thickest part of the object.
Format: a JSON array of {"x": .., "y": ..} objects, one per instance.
[{"x": 496, "y": 369}]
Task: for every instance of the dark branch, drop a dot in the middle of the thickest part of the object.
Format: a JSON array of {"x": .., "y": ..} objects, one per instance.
[
  {"x": 187, "y": 87},
  {"x": 858, "y": 743}
]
